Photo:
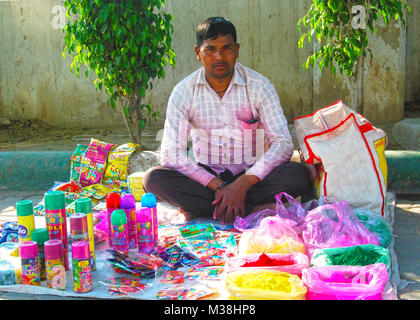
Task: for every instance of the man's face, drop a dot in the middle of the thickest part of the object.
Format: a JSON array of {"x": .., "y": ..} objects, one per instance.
[{"x": 218, "y": 56}]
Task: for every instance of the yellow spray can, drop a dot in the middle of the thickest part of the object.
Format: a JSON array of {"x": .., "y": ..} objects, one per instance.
[
  {"x": 25, "y": 219},
  {"x": 84, "y": 205}
]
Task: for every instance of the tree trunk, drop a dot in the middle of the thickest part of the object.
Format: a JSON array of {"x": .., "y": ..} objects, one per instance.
[{"x": 133, "y": 121}]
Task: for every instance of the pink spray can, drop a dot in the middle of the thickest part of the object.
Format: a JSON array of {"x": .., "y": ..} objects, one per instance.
[
  {"x": 112, "y": 203},
  {"x": 28, "y": 251},
  {"x": 119, "y": 231},
  {"x": 148, "y": 200},
  {"x": 128, "y": 204},
  {"x": 144, "y": 228},
  {"x": 82, "y": 269},
  {"x": 54, "y": 264},
  {"x": 55, "y": 214}
]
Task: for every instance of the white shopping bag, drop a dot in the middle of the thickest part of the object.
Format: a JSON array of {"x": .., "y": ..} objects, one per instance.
[{"x": 348, "y": 154}]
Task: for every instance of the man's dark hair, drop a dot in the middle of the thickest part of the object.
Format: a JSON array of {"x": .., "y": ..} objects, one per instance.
[{"x": 213, "y": 27}]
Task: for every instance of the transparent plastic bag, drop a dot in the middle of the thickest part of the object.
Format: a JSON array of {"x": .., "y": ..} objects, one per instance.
[
  {"x": 295, "y": 212},
  {"x": 253, "y": 220},
  {"x": 292, "y": 263},
  {"x": 375, "y": 223},
  {"x": 345, "y": 282},
  {"x": 335, "y": 225},
  {"x": 264, "y": 285},
  {"x": 274, "y": 235}
]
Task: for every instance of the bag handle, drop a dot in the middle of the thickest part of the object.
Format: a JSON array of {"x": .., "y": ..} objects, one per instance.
[
  {"x": 289, "y": 198},
  {"x": 339, "y": 214}
]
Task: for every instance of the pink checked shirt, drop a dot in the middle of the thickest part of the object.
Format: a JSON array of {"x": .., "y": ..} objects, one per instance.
[{"x": 228, "y": 132}]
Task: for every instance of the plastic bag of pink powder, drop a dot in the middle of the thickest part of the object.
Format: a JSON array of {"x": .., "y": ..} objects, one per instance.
[
  {"x": 345, "y": 282},
  {"x": 335, "y": 225}
]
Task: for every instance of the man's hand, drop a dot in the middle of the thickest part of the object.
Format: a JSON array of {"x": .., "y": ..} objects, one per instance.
[
  {"x": 215, "y": 183},
  {"x": 229, "y": 201}
]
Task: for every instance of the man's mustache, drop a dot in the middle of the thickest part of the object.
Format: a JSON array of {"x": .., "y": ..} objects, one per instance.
[{"x": 219, "y": 64}]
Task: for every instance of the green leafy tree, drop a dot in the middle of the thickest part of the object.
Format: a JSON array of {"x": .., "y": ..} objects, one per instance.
[
  {"x": 127, "y": 44},
  {"x": 340, "y": 28}
]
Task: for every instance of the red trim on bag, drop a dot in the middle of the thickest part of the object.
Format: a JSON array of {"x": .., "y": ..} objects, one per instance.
[
  {"x": 310, "y": 115},
  {"x": 325, "y": 183},
  {"x": 376, "y": 170},
  {"x": 312, "y": 155},
  {"x": 366, "y": 127}
]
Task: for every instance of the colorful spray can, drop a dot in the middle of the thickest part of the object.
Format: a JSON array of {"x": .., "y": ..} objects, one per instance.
[
  {"x": 79, "y": 227},
  {"x": 119, "y": 231},
  {"x": 55, "y": 214},
  {"x": 128, "y": 204},
  {"x": 28, "y": 251},
  {"x": 40, "y": 236},
  {"x": 144, "y": 230},
  {"x": 54, "y": 264},
  {"x": 84, "y": 205},
  {"x": 112, "y": 203},
  {"x": 25, "y": 219},
  {"x": 148, "y": 200},
  {"x": 82, "y": 270}
]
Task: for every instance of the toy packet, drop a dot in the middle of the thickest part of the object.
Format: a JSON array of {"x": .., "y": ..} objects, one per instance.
[
  {"x": 118, "y": 164},
  {"x": 93, "y": 162},
  {"x": 75, "y": 162}
]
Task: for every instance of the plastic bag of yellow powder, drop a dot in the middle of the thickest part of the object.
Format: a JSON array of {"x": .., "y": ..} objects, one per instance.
[
  {"x": 274, "y": 235},
  {"x": 265, "y": 285}
]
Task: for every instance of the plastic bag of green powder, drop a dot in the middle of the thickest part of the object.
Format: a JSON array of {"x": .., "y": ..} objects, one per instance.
[
  {"x": 375, "y": 223},
  {"x": 361, "y": 255}
]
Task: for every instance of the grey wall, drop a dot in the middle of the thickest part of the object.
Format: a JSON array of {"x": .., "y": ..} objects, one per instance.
[{"x": 36, "y": 83}]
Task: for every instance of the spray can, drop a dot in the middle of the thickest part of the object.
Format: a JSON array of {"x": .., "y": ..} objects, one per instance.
[
  {"x": 40, "y": 236},
  {"x": 112, "y": 203},
  {"x": 144, "y": 230},
  {"x": 54, "y": 264},
  {"x": 148, "y": 200},
  {"x": 79, "y": 227},
  {"x": 25, "y": 219},
  {"x": 84, "y": 205},
  {"x": 55, "y": 214},
  {"x": 128, "y": 204},
  {"x": 30, "y": 263},
  {"x": 119, "y": 231},
  {"x": 82, "y": 271}
]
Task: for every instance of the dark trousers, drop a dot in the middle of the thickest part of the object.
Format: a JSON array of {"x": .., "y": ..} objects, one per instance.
[{"x": 172, "y": 187}]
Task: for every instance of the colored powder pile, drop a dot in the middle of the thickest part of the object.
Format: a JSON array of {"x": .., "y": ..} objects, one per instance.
[
  {"x": 380, "y": 228},
  {"x": 264, "y": 261},
  {"x": 355, "y": 257},
  {"x": 264, "y": 280}
]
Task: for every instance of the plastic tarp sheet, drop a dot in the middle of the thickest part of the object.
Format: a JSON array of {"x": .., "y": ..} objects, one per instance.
[{"x": 104, "y": 271}]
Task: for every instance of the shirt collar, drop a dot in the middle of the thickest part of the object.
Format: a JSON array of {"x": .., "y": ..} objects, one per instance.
[{"x": 236, "y": 78}]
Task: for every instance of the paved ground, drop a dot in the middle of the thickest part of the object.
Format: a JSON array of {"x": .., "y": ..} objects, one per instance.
[{"x": 406, "y": 231}]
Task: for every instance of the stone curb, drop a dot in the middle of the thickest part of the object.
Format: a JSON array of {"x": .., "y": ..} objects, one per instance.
[{"x": 37, "y": 170}]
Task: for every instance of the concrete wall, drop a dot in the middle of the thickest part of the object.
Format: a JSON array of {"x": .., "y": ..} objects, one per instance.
[
  {"x": 412, "y": 92},
  {"x": 36, "y": 83}
]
